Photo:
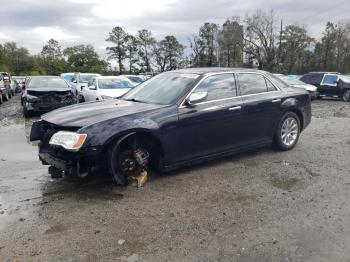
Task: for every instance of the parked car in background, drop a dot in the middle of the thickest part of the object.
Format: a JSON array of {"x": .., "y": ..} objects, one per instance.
[
  {"x": 6, "y": 86},
  {"x": 80, "y": 82},
  {"x": 46, "y": 93},
  {"x": 137, "y": 79},
  {"x": 3, "y": 90},
  {"x": 175, "y": 119},
  {"x": 104, "y": 87},
  {"x": 68, "y": 76},
  {"x": 20, "y": 82},
  {"x": 295, "y": 82},
  {"x": 329, "y": 84}
]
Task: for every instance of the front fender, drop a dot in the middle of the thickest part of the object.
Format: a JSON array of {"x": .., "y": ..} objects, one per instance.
[{"x": 102, "y": 133}]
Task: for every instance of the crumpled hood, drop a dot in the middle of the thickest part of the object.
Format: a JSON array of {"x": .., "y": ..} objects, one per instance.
[
  {"x": 85, "y": 114},
  {"x": 113, "y": 92}
]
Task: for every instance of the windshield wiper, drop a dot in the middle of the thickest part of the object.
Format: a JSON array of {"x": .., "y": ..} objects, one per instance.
[{"x": 135, "y": 100}]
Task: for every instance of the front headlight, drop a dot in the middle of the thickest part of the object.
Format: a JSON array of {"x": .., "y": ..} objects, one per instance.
[
  {"x": 69, "y": 140},
  {"x": 31, "y": 98}
]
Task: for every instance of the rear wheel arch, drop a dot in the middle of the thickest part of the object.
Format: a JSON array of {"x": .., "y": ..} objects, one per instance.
[{"x": 300, "y": 116}]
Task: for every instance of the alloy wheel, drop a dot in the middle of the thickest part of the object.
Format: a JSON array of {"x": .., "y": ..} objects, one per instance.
[
  {"x": 346, "y": 96},
  {"x": 289, "y": 131}
]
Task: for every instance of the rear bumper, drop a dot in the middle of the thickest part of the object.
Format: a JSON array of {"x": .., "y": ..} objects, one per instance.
[{"x": 306, "y": 111}]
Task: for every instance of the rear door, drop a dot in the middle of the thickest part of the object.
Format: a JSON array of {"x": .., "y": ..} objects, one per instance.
[{"x": 262, "y": 104}]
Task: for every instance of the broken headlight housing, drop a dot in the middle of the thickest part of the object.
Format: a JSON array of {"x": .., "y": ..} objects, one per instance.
[
  {"x": 31, "y": 98},
  {"x": 69, "y": 140}
]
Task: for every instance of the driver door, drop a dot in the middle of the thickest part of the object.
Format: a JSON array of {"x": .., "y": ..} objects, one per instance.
[
  {"x": 329, "y": 85},
  {"x": 213, "y": 125}
]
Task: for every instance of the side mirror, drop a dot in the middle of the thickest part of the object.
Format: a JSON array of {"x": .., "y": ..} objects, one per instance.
[
  {"x": 92, "y": 88},
  {"x": 195, "y": 98},
  {"x": 74, "y": 81}
]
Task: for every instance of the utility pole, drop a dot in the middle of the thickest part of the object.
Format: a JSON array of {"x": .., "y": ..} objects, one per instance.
[{"x": 280, "y": 46}]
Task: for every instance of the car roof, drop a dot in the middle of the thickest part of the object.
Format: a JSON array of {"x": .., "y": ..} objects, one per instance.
[
  {"x": 45, "y": 77},
  {"x": 111, "y": 77},
  {"x": 208, "y": 70}
]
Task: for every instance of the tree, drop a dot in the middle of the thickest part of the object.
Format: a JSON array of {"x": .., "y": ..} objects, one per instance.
[
  {"x": 230, "y": 44},
  {"x": 205, "y": 45},
  {"x": 147, "y": 42},
  {"x": 168, "y": 53},
  {"x": 260, "y": 37},
  {"x": 83, "y": 58},
  {"x": 118, "y": 37},
  {"x": 17, "y": 60},
  {"x": 295, "y": 40},
  {"x": 52, "y": 58},
  {"x": 131, "y": 51}
]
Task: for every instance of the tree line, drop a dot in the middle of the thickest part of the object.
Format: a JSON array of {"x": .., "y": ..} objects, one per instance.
[{"x": 258, "y": 40}]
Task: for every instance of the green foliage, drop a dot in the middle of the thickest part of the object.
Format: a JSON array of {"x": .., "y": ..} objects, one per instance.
[
  {"x": 83, "y": 58},
  {"x": 119, "y": 51},
  {"x": 168, "y": 53}
]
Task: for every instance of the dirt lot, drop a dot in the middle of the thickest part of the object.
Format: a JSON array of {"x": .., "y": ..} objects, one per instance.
[{"x": 258, "y": 206}]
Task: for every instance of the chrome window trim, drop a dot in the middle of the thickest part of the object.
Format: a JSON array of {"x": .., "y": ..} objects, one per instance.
[{"x": 182, "y": 104}]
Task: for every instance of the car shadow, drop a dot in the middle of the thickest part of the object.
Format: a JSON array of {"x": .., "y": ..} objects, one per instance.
[{"x": 99, "y": 185}]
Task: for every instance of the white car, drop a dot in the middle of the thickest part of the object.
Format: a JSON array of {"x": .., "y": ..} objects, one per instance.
[
  {"x": 104, "y": 87},
  {"x": 295, "y": 82},
  {"x": 80, "y": 83}
]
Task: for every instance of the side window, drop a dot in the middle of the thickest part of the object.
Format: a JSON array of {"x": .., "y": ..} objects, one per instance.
[
  {"x": 329, "y": 80},
  {"x": 251, "y": 83},
  {"x": 270, "y": 86},
  {"x": 218, "y": 86}
]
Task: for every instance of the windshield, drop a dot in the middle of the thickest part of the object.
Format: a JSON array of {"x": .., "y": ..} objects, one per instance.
[
  {"x": 68, "y": 77},
  {"x": 136, "y": 79},
  {"x": 163, "y": 89},
  {"x": 114, "y": 83},
  {"x": 86, "y": 78},
  {"x": 55, "y": 83}
]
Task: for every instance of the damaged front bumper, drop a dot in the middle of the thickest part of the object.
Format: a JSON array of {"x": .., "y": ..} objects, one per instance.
[
  {"x": 38, "y": 106},
  {"x": 72, "y": 164},
  {"x": 79, "y": 164}
]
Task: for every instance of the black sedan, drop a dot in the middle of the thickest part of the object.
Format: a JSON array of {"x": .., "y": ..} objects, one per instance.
[
  {"x": 175, "y": 119},
  {"x": 46, "y": 93},
  {"x": 329, "y": 84}
]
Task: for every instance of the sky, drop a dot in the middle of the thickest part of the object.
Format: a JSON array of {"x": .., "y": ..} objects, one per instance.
[{"x": 31, "y": 23}]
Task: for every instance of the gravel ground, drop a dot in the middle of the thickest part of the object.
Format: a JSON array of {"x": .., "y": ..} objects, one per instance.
[{"x": 258, "y": 206}]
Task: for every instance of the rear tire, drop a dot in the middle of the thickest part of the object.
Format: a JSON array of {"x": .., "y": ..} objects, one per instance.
[
  {"x": 288, "y": 131},
  {"x": 346, "y": 95},
  {"x": 1, "y": 101},
  {"x": 6, "y": 97},
  {"x": 81, "y": 99},
  {"x": 26, "y": 113}
]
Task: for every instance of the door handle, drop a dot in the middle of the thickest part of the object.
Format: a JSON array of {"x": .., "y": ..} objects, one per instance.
[
  {"x": 235, "y": 108},
  {"x": 276, "y": 101}
]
